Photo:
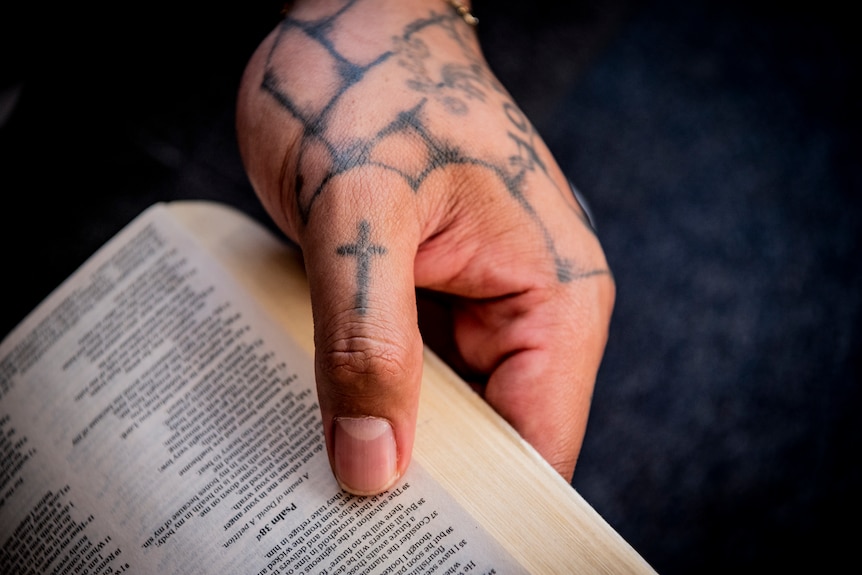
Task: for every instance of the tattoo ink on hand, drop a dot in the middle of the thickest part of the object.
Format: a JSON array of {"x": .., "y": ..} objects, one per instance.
[{"x": 362, "y": 250}]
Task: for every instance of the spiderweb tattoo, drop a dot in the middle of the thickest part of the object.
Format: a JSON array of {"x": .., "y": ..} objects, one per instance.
[{"x": 453, "y": 85}]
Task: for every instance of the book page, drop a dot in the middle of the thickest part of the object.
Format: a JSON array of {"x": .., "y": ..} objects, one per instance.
[
  {"x": 461, "y": 442},
  {"x": 154, "y": 420}
]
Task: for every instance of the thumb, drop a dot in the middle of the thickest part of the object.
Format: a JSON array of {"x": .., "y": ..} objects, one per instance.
[{"x": 368, "y": 351}]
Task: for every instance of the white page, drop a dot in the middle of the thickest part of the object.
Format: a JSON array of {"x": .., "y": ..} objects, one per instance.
[{"x": 152, "y": 420}]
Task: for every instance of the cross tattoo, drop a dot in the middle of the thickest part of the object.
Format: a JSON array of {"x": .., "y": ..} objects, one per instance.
[{"x": 362, "y": 250}]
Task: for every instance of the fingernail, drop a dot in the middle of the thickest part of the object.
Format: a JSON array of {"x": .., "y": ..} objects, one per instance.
[{"x": 365, "y": 457}]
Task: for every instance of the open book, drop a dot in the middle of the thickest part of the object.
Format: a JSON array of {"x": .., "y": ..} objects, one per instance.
[{"x": 158, "y": 415}]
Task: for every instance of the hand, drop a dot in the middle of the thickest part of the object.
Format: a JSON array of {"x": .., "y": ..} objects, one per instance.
[{"x": 380, "y": 142}]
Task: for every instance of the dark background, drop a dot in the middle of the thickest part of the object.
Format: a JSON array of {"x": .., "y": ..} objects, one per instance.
[{"x": 717, "y": 144}]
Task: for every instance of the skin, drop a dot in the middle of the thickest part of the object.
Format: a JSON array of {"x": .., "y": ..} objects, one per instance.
[{"x": 380, "y": 142}]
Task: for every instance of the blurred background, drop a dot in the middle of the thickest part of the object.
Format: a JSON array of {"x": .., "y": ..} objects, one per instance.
[{"x": 717, "y": 144}]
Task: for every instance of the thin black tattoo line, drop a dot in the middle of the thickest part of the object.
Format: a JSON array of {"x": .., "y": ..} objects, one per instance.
[
  {"x": 349, "y": 72},
  {"x": 314, "y": 129},
  {"x": 357, "y": 154},
  {"x": 362, "y": 250},
  {"x": 409, "y": 123},
  {"x": 433, "y": 19},
  {"x": 522, "y": 123},
  {"x": 592, "y": 273},
  {"x": 439, "y": 153}
]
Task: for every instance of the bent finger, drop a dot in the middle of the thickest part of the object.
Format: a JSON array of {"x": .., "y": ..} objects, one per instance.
[{"x": 542, "y": 355}]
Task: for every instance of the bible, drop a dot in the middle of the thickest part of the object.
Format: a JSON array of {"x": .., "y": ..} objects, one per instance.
[{"x": 158, "y": 415}]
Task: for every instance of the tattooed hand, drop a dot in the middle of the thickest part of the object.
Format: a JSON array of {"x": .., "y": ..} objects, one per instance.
[{"x": 380, "y": 142}]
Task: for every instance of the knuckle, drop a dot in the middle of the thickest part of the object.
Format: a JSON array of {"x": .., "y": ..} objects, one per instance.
[{"x": 363, "y": 365}]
